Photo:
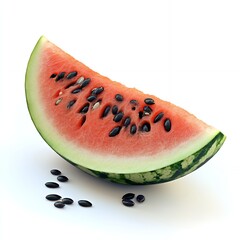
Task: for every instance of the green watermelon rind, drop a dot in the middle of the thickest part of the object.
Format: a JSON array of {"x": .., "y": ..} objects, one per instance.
[{"x": 165, "y": 174}]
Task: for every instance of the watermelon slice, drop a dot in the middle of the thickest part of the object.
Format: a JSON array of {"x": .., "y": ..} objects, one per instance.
[{"x": 109, "y": 130}]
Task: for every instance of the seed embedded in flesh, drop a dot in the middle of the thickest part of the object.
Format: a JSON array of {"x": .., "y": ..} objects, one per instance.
[
  {"x": 76, "y": 90},
  {"x": 149, "y": 101},
  {"x": 55, "y": 172},
  {"x": 128, "y": 196},
  {"x": 51, "y": 184},
  {"x": 71, "y": 103},
  {"x": 85, "y": 82},
  {"x": 80, "y": 80},
  {"x": 58, "y": 101},
  {"x": 85, "y": 108},
  {"x": 96, "y": 105},
  {"x": 62, "y": 178},
  {"x": 167, "y": 125},
  {"x": 106, "y": 111},
  {"x": 133, "y": 129},
  {"x": 119, "y": 97},
  {"x": 147, "y": 109},
  {"x": 140, "y": 198},
  {"x": 134, "y": 102},
  {"x": 127, "y": 202},
  {"x": 114, "y": 109},
  {"x": 127, "y": 122},
  {"x": 84, "y": 203},
  {"x": 72, "y": 75},
  {"x": 118, "y": 117},
  {"x": 141, "y": 114},
  {"x": 146, "y": 127},
  {"x": 158, "y": 117},
  {"x": 53, "y": 197},
  {"x": 97, "y": 91},
  {"x": 59, "y": 204},
  {"x": 91, "y": 98},
  {"x": 115, "y": 131},
  {"x": 53, "y": 75},
  {"x": 60, "y": 76},
  {"x": 67, "y": 201}
]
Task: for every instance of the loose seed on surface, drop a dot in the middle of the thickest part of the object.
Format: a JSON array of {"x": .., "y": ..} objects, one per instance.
[
  {"x": 128, "y": 196},
  {"x": 80, "y": 80},
  {"x": 97, "y": 91},
  {"x": 114, "y": 109},
  {"x": 85, "y": 108},
  {"x": 127, "y": 202},
  {"x": 72, "y": 75},
  {"x": 59, "y": 204},
  {"x": 85, "y": 203},
  {"x": 53, "y": 75},
  {"x": 118, "y": 117},
  {"x": 91, "y": 98},
  {"x": 76, "y": 90},
  {"x": 115, "y": 131},
  {"x": 106, "y": 111},
  {"x": 53, "y": 197},
  {"x": 146, "y": 127},
  {"x": 158, "y": 117},
  {"x": 62, "y": 178},
  {"x": 60, "y": 76},
  {"x": 71, "y": 103},
  {"x": 167, "y": 125},
  {"x": 149, "y": 101},
  {"x": 85, "y": 82},
  {"x": 133, "y": 129},
  {"x": 58, "y": 101},
  {"x": 119, "y": 97},
  {"x": 67, "y": 201},
  {"x": 140, "y": 198},
  {"x": 55, "y": 172},
  {"x": 51, "y": 185},
  {"x": 127, "y": 121}
]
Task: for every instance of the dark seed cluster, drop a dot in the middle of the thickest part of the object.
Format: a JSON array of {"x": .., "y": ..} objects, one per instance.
[{"x": 127, "y": 199}]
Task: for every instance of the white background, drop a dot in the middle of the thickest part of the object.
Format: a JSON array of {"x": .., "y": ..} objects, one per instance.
[{"x": 187, "y": 52}]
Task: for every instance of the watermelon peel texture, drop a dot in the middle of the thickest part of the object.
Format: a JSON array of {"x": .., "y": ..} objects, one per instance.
[{"x": 108, "y": 130}]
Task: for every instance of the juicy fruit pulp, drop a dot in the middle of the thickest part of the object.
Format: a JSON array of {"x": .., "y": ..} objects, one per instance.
[{"x": 109, "y": 130}]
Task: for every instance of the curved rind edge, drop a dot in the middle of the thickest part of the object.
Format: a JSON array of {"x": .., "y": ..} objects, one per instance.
[{"x": 168, "y": 173}]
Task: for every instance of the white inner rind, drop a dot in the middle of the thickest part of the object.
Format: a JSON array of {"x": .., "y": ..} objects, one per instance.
[{"x": 90, "y": 159}]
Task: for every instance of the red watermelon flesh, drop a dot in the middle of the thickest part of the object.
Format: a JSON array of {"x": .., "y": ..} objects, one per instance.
[{"x": 69, "y": 105}]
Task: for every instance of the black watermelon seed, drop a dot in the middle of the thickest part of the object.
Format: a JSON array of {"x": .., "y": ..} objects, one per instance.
[
  {"x": 127, "y": 122},
  {"x": 146, "y": 127},
  {"x": 59, "y": 204},
  {"x": 140, "y": 198},
  {"x": 97, "y": 91},
  {"x": 149, "y": 101},
  {"x": 51, "y": 185},
  {"x": 115, "y": 131},
  {"x": 85, "y": 203},
  {"x": 158, "y": 117},
  {"x": 119, "y": 97},
  {"x": 71, "y": 103},
  {"x": 91, "y": 98},
  {"x": 114, "y": 109},
  {"x": 147, "y": 109},
  {"x": 134, "y": 102},
  {"x": 85, "y": 108},
  {"x": 118, "y": 117},
  {"x": 53, "y": 197},
  {"x": 76, "y": 90},
  {"x": 71, "y": 75},
  {"x": 53, "y": 75},
  {"x": 133, "y": 129},
  {"x": 167, "y": 125},
  {"x": 55, "y": 172},
  {"x": 140, "y": 114},
  {"x": 128, "y": 196},
  {"x": 60, "y": 76},
  {"x": 106, "y": 111},
  {"x": 127, "y": 202},
  {"x": 62, "y": 178},
  {"x": 67, "y": 201},
  {"x": 85, "y": 82}
]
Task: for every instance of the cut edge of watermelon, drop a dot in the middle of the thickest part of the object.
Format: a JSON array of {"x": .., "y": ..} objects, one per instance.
[{"x": 97, "y": 162}]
